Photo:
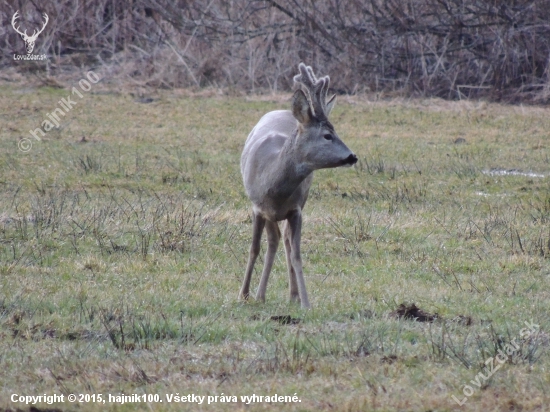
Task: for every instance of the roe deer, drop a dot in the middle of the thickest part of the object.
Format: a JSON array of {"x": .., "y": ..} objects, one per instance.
[{"x": 278, "y": 159}]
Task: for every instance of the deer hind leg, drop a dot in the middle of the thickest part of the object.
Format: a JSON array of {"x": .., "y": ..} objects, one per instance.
[
  {"x": 295, "y": 226},
  {"x": 294, "y": 295},
  {"x": 273, "y": 237},
  {"x": 258, "y": 225}
]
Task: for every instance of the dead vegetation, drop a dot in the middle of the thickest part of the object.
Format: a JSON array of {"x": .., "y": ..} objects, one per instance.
[
  {"x": 413, "y": 312},
  {"x": 453, "y": 49}
]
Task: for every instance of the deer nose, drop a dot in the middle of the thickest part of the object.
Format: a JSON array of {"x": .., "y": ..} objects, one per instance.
[{"x": 351, "y": 159}]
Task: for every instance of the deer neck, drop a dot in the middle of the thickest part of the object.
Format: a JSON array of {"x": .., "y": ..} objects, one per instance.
[{"x": 291, "y": 170}]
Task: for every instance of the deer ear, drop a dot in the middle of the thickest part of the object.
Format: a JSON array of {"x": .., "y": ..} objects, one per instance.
[
  {"x": 300, "y": 107},
  {"x": 330, "y": 104}
]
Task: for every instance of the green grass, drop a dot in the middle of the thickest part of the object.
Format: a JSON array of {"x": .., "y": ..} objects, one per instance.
[{"x": 121, "y": 257}]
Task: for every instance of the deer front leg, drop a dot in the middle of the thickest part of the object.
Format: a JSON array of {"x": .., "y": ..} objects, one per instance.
[
  {"x": 295, "y": 225},
  {"x": 293, "y": 286},
  {"x": 273, "y": 237},
  {"x": 257, "y": 229}
]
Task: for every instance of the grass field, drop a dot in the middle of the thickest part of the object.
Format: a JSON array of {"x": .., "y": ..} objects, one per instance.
[{"x": 124, "y": 236}]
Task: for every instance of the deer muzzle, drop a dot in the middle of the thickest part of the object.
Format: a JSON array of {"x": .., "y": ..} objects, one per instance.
[{"x": 349, "y": 161}]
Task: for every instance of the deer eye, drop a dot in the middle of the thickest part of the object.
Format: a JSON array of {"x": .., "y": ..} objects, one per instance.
[{"x": 328, "y": 136}]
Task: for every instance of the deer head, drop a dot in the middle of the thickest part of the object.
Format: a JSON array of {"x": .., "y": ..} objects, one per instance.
[
  {"x": 318, "y": 142},
  {"x": 29, "y": 40}
]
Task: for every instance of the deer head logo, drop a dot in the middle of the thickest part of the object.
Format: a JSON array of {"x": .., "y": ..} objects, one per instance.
[{"x": 29, "y": 40}]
